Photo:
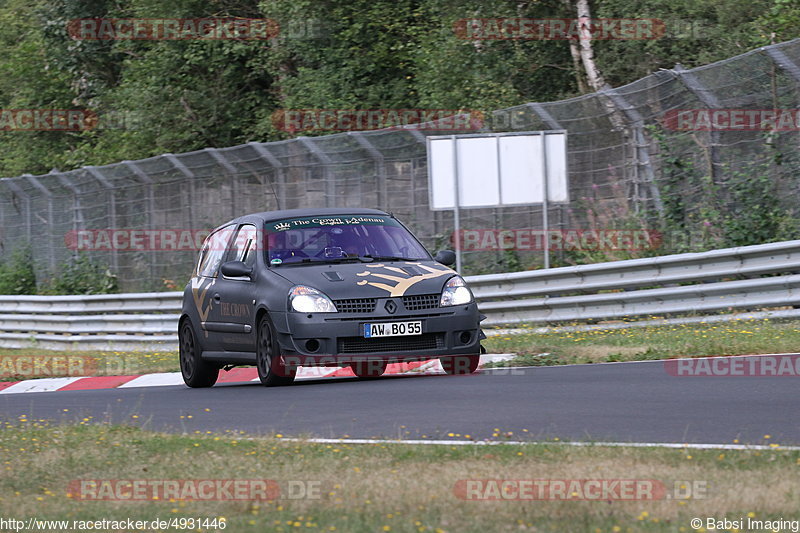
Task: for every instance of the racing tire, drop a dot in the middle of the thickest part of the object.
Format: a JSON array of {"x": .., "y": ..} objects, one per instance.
[
  {"x": 460, "y": 364},
  {"x": 272, "y": 370},
  {"x": 368, "y": 369},
  {"x": 196, "y": 372}
]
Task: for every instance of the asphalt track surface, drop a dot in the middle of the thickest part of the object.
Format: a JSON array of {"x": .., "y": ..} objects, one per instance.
[{"x": 623, "y": 402}]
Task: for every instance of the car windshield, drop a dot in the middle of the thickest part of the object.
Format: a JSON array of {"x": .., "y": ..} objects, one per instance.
[{"x": 340, "y": 238}]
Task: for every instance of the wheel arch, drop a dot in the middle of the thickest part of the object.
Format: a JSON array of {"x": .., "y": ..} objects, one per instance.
[
  {"x": 261, "y": 312},
  {"x": 197, "y": 332}
]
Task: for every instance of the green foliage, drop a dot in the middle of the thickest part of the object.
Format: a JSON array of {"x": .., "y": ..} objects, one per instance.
[
  {"x": 17, "y": 274},
  {"x": 81, "y": 275},
  {"x": 697, "y": 32},
  {"x": 78, "y": 275},
  {"x": 490, "y": 262},
  {"x": 741, "y": 206},
  {"x": 179, "y": 96},
  {"x": 755, "y": 216},
  {"x": 26, "y": 82}
]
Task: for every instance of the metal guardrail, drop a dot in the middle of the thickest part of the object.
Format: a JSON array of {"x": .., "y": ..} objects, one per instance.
[
  {"x": 773, "y": 258},
  {"x": 114, "y": 322},
  {"x": 682, "y": 284},
  {"x": 673, "y": 284}
]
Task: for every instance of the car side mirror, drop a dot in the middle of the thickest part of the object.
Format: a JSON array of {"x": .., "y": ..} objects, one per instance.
[
  {"x": 445, "y": 257},
  {"x": 236, "y": 269}
]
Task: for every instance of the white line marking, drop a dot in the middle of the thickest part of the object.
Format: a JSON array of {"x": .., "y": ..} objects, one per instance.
[
  {"x": 314, "y": 372},
  {"x": 558, "y": 443},
  {"x": 174, "y": 378},
  {"x": 643, "y": 361},
  {"x": 617, "y": 325},
  {"x": 39, "y": 385},
  {"x": 306, "y": 373},
  {"x": 154, "y": 380}
]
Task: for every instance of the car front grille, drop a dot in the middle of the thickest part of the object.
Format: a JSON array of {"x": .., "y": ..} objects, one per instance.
[
  {"x": 440, "y": 312},
  {"x": 356, "y": 305},
  {"x": 361, "y": 345},
  {"x": 421, "y": 301}
]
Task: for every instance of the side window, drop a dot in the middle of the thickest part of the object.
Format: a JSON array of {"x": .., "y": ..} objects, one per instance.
[
  {"x": 245, "y": 245},
  {"x": 213, "y": 251}
]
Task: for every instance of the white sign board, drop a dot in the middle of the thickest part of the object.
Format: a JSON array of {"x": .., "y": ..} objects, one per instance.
[{"x": 493, "y": 170}]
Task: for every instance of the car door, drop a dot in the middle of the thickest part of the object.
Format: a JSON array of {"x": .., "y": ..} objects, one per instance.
[
  {"x": 205, "y": 289},
  {"x": 236, "y": 303}
]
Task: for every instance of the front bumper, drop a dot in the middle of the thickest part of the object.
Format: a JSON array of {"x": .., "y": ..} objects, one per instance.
[{"x": 335, "y": 339}]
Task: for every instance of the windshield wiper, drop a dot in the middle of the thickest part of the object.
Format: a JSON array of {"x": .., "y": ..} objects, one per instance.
[
  {"x": 367, "y": 258},
  {"x": 390, "y": 258},
  {"x": 309, "y": 260}
]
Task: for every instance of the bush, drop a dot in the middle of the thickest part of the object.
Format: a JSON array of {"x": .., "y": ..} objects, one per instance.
[
  {"x": 81, "y": 275},
  {"x": 17, "y": 275}
]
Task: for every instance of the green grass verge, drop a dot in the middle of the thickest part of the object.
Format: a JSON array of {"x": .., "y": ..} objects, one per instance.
[
  {"x": 534, "y": 349},
  {"x": 381, "y": 487},
  {"x": 738, "y": 337},
  {"x": 30, "y": 363}
]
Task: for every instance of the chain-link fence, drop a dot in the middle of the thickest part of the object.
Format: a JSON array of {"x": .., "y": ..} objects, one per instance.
[{"x": 633, "y": 164}]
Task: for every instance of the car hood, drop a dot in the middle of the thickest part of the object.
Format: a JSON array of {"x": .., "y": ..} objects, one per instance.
[{"x": 369, "y": 280}]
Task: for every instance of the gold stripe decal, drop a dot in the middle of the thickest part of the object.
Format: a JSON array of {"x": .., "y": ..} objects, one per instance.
[{"x": 404, "y": 281}]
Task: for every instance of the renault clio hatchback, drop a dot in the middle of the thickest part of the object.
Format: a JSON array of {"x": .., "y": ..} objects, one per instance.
[{"x": 323, "y": 287}]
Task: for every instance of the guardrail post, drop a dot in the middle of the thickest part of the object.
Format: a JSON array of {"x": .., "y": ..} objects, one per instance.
[
  {"x": 327, "y": 174},
  {"x": 78, "y": 221},
  {"x": 151, "y": 207},
  {"x": 380, "y": 165},
  {"x": 233, "y": 173},
  {"x": 17, "y": 191},
  {"x": 642, "y": 147},
  {"x": 183, "y": 169},
  {"x": 546, "y": 117},
  {"x": 551, "y": 123},
  {"x": 421, "y": 139},
  {"x": 50, "y": 223},
  {"x": 708, "y": 99},
  {"x": 438, "y": 217},
  {"x": 112, "y": 208},
  {"x": 418, "y": 135},
  {"x": 782, "y": 61},
  {"x": 280, "y": 172}
]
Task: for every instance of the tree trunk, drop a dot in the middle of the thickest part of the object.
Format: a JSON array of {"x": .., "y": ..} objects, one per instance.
[
  {"x": 576, "y": 64},
  {"x": 593, "y": 74}
]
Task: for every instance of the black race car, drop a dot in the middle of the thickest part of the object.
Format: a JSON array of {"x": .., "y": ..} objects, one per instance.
[{"x": 323, "y": 287}]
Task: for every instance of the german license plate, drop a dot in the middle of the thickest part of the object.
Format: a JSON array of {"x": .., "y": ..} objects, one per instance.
[{"x": 392, "y": 329}]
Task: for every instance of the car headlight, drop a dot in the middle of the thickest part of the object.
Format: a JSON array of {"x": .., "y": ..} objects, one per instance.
[
  {"x": 455, "y": 292},
  {"x": 309, "y": 300}
]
